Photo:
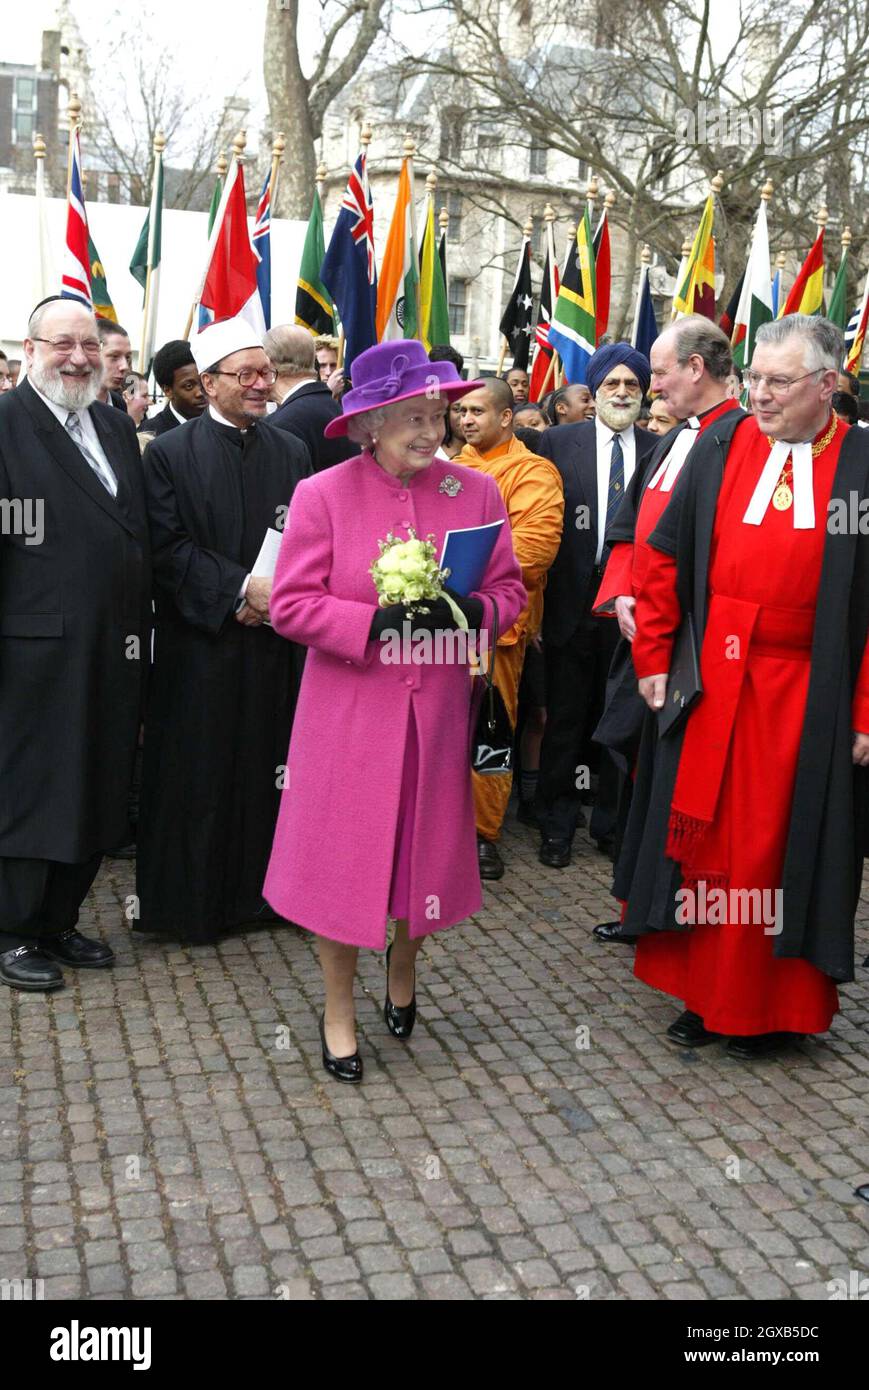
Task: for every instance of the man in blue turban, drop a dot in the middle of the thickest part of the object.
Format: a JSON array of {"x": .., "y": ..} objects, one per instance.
[{"x": 596, "y": 459}]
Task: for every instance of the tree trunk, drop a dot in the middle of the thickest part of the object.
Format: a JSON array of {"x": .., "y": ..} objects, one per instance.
[{"x": 287, "y": 91}]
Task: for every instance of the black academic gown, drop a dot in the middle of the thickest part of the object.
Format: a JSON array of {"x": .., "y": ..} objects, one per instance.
[
  {"x": 221, "y": 704},
  {"x": 827, "y": 834}
]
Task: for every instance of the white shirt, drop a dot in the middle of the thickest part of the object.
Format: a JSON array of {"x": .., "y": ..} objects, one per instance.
[
  {"x": 605, "y": 437},
  {"x": 62, "y": 413},
  {"x": 304, "y": 381},
  {"x": 180, "y": 418}
]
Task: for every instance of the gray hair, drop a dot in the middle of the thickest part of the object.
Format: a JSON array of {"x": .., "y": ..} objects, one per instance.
[
  {"x": 823, "y": 342},
  {"x": 696, "y": 336},
  {"x": 362, "y": 428},
  {"x": 290, "y": 349}
]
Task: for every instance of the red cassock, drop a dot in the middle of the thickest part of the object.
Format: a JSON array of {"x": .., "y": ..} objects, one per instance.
[{"x": 739, "y": 757}]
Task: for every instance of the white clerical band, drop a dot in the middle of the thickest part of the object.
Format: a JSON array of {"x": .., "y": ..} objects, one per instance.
[
  {"x": 679, "y": 451},
  {"x": 804, "y": 497}
]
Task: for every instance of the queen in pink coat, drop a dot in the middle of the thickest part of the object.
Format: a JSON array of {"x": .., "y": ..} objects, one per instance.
[{"x": 377, "y": 816}]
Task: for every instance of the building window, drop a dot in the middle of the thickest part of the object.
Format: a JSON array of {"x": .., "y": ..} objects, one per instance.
[
  {"x": 24, "y": 111},
  {"x": 458, "y": 306},
  {"x": 583, "y": 171},
  {"x": 537, "y": 238},
  {"x": 452, "y": 133},
  {"x": 489, "y": 148},
  {"x": 454, "y": 208},
  {"x": 113, "y": 188},
  {"x": 537, "y": 159}
]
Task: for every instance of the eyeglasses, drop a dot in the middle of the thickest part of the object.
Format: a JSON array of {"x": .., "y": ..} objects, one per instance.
[
  {"x": 778, "y": 385},
  {"x": 248, "y": 375},
  {"x": 614, "y": 384},
  {"x": 67, "y": 345}
]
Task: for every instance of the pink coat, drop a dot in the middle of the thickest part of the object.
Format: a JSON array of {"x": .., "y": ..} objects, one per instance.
[{"x": 332, "y": 858}]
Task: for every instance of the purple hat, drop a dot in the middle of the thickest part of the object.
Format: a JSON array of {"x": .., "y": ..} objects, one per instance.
[{"x": 396, "y": 371}]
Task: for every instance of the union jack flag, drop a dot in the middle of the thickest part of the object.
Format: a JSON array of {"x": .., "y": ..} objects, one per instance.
[
  {"x": 76, "y": 280},
  {"x": 540, "y": 375},
  {"x": 262, "y": 248}
]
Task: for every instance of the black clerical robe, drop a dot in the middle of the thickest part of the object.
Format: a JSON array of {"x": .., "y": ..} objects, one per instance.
[{"x": 221, "y": 704}]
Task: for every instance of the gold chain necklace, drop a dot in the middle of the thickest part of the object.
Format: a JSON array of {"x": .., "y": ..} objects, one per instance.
[{"x": 783, "y": 494}]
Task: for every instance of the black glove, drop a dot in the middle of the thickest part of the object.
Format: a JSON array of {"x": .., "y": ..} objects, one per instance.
[
  {"x": 440, "y": 616},
  {"x": 390, "y": 619}
]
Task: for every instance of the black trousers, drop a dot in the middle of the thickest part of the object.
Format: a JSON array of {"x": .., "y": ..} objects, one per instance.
[
  {"x": 575, "y": 687},
  {"x": 40, "y": 897}
]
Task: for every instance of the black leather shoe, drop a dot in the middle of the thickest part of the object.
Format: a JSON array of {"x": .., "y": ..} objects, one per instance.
[
  {"x": 71, "y": 948},
  {"x": 862, "y": 1192},
  {"x": 612, "y": 931},
  {"x": 399, "y": 1018},
  {"x": 490, "y": 861},
  {"x": 27, "y": 967},
  {"x": 342, "y": 1068},
  {"x": 525, "y": 813},
  {"x": 688, "y": 1031},
  {"x": 760, "y": 1045},
  {"x": 555, "y": 853}
]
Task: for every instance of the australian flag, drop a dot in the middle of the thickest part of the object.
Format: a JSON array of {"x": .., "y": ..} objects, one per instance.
[
  {"x": 262, "y": 247},
  {"x": 348, "y": 270}
]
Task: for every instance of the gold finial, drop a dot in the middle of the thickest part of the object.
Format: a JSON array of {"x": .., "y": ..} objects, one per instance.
[
  {"x": 823, "y": 216},
  {"x": 443, "y": 219},
  {"x": 609, "y": 201},
  {"x": 365, "y": 135},
  {"x": 409, "y": 147},
  {"x": 781, "y": 260},
  {"x": 716, "y": 184},
  {"x": 686, "y": 246},
  {"x": 549, "y": 213},
  {"x": 846, "y": 238},
  {"x": 238, "y": 145},
  {"x": 321, "y": 173},
  {"x": 591, "y": 189},
  {"x": 73, "y": 112},
  {"x": 279, "y": 144},
  {"x": 159, "y": 141},
  {"x": 38, "y": 146},
  {"x": 431, "y": 182},
  {"x": 529, "y": 226},
  {"x": 571, "y": 231},
  {"x": 646, "y": 254},
  {"x": 767, "y": 191},
  {"x": 221, "y": 166}
]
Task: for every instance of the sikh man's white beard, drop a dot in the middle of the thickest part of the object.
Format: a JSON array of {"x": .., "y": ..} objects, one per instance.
[
  {"x": 617, "y": 419},
  {"x": 70, "y": 393}
]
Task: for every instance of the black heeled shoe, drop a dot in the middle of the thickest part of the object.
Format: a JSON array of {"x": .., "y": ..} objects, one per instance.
[
  {"x": 342, "y": 1068},
  {"x": 399, "y": 1021}
]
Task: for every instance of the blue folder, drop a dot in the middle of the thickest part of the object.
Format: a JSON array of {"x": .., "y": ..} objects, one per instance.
[{"x": 466, "y": 555}]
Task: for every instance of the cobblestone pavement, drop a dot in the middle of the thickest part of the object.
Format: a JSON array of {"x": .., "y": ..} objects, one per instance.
[{"x": 166, "y": 1128}]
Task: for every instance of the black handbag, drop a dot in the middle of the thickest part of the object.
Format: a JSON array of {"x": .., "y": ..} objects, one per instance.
[{"x": 492, "y": 740}]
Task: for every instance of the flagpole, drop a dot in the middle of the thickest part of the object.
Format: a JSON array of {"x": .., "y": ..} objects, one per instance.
[
  {"x": 73, "y": 116},
  {"x": 238, "y": 146},
  {"x": 409, "y": 152},
  {"x": 44, "y": 279},
  {"x": 159, "y": 147},
  {"x": 278, "y": 148},
  {"x": 645, "y": 262}
]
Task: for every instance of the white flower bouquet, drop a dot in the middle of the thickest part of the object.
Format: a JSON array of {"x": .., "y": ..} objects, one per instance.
[{"x": 407, "y": 572}]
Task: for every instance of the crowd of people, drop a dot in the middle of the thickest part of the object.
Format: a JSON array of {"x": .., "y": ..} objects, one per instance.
[{"x": 194, "y": 666}]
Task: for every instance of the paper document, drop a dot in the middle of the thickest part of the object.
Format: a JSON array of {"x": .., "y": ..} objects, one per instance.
[{"x": 266, "y": 562}]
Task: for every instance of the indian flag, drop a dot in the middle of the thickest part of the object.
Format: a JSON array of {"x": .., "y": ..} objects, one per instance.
[
  {"x": 396, "y": 287},
  {"x": 755, "y": 302}
]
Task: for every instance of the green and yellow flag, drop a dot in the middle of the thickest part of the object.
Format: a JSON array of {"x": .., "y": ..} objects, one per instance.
[
  {"x": 99, "y": 289},
  {"x": 314, "y": 309},
  {"x": 433, "y": 307}
]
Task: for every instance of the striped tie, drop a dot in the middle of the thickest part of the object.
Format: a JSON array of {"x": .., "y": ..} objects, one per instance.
[
  {"x": 617, "y": 481},
  {"x": 73, "y": 425}
]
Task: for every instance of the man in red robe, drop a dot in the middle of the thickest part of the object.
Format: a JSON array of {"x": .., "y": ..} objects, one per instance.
[
  {"x": 691, "y": 363},
  {"x": 745, "y": 878}
]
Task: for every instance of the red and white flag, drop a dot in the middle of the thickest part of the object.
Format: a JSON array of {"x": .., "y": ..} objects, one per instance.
[
  {"x": 229, "y": 287},
  {"x": 76, "y": 280}
]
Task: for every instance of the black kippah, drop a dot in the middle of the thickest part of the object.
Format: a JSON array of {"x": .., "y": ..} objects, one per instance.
[{"x": 169, "y": 358}]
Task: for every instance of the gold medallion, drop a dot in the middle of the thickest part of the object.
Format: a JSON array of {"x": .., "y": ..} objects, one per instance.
[{"x": 782, "y": 497}]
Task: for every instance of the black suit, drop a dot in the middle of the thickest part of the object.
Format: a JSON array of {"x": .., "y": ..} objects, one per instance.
[
  {"x": 578, "y": 646},
  {"x": 117, "y": 401},
  {"x": 306, "y": 413},
  {"x": 161, "y": 422},
  {"x": 75, "y": 618}
]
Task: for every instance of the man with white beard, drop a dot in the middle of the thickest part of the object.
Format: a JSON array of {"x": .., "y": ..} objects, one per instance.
[{"x": 74, "y": 642}]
